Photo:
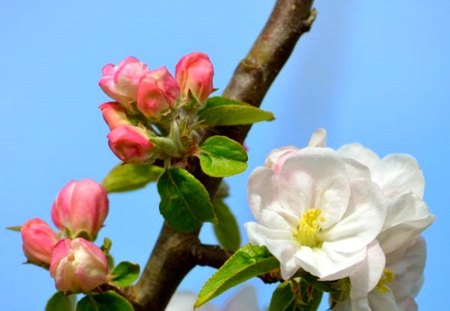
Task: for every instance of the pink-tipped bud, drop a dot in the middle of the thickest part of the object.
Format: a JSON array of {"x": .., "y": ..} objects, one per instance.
[
  {"x": 114, "y": 114},
  {"x": 277, "y": 157},
  {"x": 194, "y": 73},
  {"x": 78, "y": 266},
  {"x": 157, "y": 92},
  {"x": 120, "y": 82},
  {"x": 38, "y": 241},
  {"x": 130, "y": 144},
  {"x": 80, "y": 208}
]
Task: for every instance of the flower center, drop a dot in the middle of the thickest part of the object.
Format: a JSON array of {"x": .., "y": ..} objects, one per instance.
[
  {"x": 308, "y": 229},
  {"x": 387, "y": 278}
]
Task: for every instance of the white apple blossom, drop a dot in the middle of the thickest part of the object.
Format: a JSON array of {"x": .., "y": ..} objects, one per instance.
[
  {"x": 244, "y": 300},
  {"x": 400, "y": 282},
  {"x": 402, "y": 182},
  {"x": 311, "y": 213}
]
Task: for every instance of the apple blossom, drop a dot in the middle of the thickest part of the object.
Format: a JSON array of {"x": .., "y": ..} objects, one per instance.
[
  {"x": 158, "y": 92},
  {"x": 399, "y": 283},
  {"x": 114, "y": 114},
  {"x": 312, "y": 215},
  {"x": 194, "y": 73},
  {"x": 80, "y": 208},
  {"x": 120, "y": 82},
  {"x": 38, "y": 241},
  {"x": 131, "y": 144},
  {"x": 78, "y": 266}
]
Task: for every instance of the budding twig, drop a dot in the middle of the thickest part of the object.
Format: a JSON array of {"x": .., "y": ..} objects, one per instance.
[{"x": 176, "y": 253}]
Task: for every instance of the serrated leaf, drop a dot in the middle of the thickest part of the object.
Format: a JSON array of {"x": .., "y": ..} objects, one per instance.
[
  {"x": 130, "y": 176},
  {"x": 185, "y": 203},
  {"x": 59, "y": 302},
  {"x": 295, "y": 295},
  {"x": 249, "y": 261},
  {"x": 108, "y": 301},
  {"x": 224, "y": 111},
  {"x": 125, "y": 273},
  {"x": 226, "y": 229},
  {"x": 221, "y": 156}
]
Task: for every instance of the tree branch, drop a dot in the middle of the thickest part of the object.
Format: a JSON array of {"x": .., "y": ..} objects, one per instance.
[{"x": 176, "y": 253}]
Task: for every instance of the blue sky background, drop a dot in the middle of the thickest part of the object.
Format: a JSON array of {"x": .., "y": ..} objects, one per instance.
[{"x": 375, "y": 72}]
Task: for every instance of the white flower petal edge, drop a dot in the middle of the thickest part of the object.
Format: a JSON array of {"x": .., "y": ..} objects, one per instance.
[
  {"x": 312, "y": 216},
  {"x": 184, "y": 301},
  {"x": 396, "y": 174},
  {"x": 244, "y": 300}
]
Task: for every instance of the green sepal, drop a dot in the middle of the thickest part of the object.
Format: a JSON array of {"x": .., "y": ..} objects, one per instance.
[
  {"x": 185, "y": 203},
  {"x": 221, "y": 156},
  {"x": 125, "y": 273},
  {"x": 224, "y": 111},
  {"x": 248, "y": 261},
  {"x": 226, "y": 229},
  {"x": 106, "y": 249},
  {"x": 14, "y": 228},
  {"x": 108, "y": 301},
  {"x": 295, "y": 295},
  {"x": 130, "y": 176},
  {"x": 60, "y": 302}
]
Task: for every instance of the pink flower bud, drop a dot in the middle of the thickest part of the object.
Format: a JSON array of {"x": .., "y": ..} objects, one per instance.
[
  {"x": 78, "y": 266},
  {"x": 38, "y": 241},
  {"x": 114, "y": 114},
  {"x": 120, "y": 82},
  {"x": 130, "y": 144},
  {"x": 194, "y": 73},
  {"x": 157, "y": 92},
  {"x": 80, "y": 208}
]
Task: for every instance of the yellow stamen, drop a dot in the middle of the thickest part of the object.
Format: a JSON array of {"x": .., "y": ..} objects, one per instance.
[
  {"x": 308, "y": 229},
  {"x": 387, "y": 278}
]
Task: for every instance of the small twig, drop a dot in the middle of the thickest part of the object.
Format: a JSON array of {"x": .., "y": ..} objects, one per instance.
[{"x": 209, "y": 255}]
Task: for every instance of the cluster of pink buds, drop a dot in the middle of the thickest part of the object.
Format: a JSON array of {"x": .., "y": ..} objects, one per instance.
[
  {"x": 148, "y": 102},
  {"x": 75, "y": 262}
]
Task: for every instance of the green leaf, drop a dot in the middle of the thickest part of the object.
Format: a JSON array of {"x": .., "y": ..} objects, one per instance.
[
  {"x": 224, "y": 111},
  {"x": 108, "y": 301},
  {"x": 226, "y": 229},
  {"x": 129, "y": 176},
  {"x": 295, "y": 295},
  {"x": 59, "y": 302},
  {"x": 125, "y": 273},
  {"x": 221, "y": 156},
  {"x": 185, "y": 203},
  {"x": 247, "y": 262}
]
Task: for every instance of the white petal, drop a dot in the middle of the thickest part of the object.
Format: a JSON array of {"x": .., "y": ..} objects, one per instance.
[
  {"x": 276, "y": 154},
  {"x": 367, "y": 273},
  {"x": 314, "y": 178},
  {"x": 318, "y": 138},
  {"x": 408, "y": 270},
  {"x": 244, "y": 300},
  {"x": 406, "y": 218},
  {"x": 357, "y": 170},
  {"x": 362, "y": 221},
  {"x": 184, "y": 301},
  {"x": 323, "y": 262},
  {"x": 399, "y": 174},
  {"x": 361, "y": 154},
  {"x": 279, "y": 243},
  {"x": 383, "y": 301},
  {"x": 260, "y": 190}
]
